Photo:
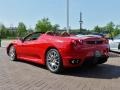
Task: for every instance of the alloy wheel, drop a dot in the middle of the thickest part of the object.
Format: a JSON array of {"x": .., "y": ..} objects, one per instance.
[
  {"x": 53, "y": 60},
  {"x": 12, "y": 53}
]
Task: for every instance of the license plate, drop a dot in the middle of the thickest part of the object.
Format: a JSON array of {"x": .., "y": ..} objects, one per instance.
[{"x": 97, "y": 54}]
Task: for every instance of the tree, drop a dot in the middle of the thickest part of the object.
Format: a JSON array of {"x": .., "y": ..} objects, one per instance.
[
  {"x": 3, "y": 31},
  {"x": 117, "y": 30},
  {"x": 43, "y": 25},
  {"x": 55, "y": 27},
  {"x": 97, "y": 29},
  {"x": 110, "y": 28},
  {"x": 21, "y": 30}
]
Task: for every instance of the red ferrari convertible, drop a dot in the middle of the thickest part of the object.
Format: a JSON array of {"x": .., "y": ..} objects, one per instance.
[{"x": 59, "y": 51}]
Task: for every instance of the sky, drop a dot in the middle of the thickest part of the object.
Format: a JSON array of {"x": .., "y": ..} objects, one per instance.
[{"x": 95, "y": 12}]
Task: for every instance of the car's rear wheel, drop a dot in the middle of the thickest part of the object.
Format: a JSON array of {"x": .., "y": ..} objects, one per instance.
[
  {"x": 53, "y": 61},
  {"x": 119, "y": 46},
  {"x": 12, "y": 53}
]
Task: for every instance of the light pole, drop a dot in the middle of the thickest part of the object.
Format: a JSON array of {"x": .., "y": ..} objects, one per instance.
[{"x": 68, "y": 16}]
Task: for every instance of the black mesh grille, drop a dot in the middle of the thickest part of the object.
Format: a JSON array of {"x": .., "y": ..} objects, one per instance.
[{"x": 94, "y": 42}]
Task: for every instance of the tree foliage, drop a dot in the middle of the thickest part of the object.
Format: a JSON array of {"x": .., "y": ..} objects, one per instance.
[
  {"x": 97, "y": 29},
  {"x": 43, "y": 25},
  {"x": 109, "y": 28},
  {"x": 3, "y": 31},
  {"x": 55, "y": 27},
  {"x": 21, "y": 29}
]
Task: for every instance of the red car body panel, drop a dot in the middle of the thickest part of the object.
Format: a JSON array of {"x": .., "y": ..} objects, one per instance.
[{"x": 69, "y": 48}]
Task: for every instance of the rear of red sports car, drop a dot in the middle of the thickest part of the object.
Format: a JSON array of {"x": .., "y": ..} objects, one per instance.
[
  {"x": 57, "y": 52},
  {"x": 89, "y": 50}
]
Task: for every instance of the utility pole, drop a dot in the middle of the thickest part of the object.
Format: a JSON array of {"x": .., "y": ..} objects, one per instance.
[
  {"x": 68, "y": 16},
  {"x": 81, "y": 22}
]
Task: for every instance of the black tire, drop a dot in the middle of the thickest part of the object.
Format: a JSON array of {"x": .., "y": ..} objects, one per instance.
[
  {"x": 54, "y": 61},
  {"x": 102, "y": 61},
  {"x": 12, "y": 53},
  {"x": 119, "y": 46}
]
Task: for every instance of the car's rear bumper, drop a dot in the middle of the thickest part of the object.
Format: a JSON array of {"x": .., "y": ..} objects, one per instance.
[
  {"x": 85, "y": 55},
  {"x": 67, "y": 62}
]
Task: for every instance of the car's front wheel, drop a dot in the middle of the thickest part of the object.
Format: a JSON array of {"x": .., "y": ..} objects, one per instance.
[
  {"x": 12, "y": 53},
  {"x": 54, "y": 61}
]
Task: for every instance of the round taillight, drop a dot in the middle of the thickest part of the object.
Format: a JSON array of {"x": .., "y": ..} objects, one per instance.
[
  {"x": 106, "y": 41},
  {"x": 80, "y": 42},
  {"x": 74, "y": 42},
  {"x": 77, "y": 42}
]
